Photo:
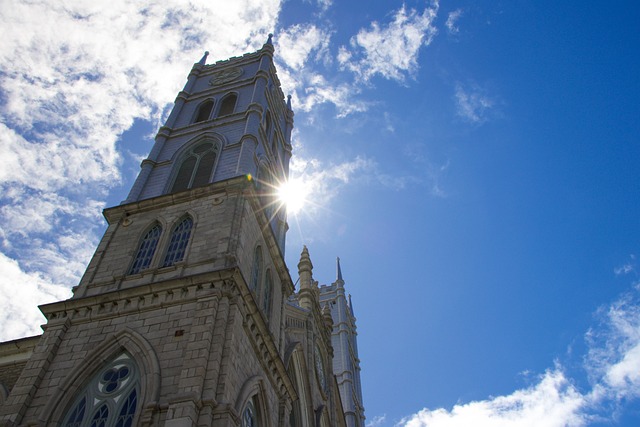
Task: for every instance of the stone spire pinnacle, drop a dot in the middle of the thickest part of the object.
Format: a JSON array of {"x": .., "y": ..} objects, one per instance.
[
  {"x": 269, "y": 41},
  {"x": 338, "y": 270},
  {"x": 305, "y": 269},
  {"x": 289, "y": 102},
  {"x": 203, "y": 60},
  {"x": 306, "y": 296}
]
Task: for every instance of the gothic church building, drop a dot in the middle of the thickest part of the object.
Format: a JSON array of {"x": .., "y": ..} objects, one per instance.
[{"x": 187, "y": 314}]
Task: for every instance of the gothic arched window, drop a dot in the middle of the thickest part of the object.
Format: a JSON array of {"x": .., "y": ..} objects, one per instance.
[
  {"x": 146, "y": 250},
  {"x": 110, "y": 398},
  {"x": 249, "y": 416},
  {"x": 178, "y": 242},
  {"x": 204, "y": 111},
  {"x": 228, "y": 104},
  {"x": 254, "y": 285},
  {"x": 266, "y": 294},
  {"x": 196, "y": 167}
]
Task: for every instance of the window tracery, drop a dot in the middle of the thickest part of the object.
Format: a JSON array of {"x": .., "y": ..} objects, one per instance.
[
  {"x": 178, "y": 243},
  {"x": 110, "y": 398},
  {"x": 146, "y": 250},
  {"x": 196, "y": 167}
]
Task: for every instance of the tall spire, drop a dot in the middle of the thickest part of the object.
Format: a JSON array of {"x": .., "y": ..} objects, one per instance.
[
  {"x": 269, "y": 41},
  {"x": 339, "y": 270}
]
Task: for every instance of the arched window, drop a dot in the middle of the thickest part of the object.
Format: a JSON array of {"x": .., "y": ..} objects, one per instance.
[
  {"x": 256, "y": 270},
  {"x": 110, "y": 398},
  {"x": 146, "y": 250},
  {"x": 196, "y": 167},
  {"x": 249, "y": 415},
  {"x": 204, "y": 111},
  {"x": 228, "y": 104},
  {"x": 178, "y": 243},
  {"x": 266, "y": 294}
]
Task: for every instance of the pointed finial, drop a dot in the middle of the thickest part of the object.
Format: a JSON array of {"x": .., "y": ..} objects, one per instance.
[
  {"x": 338, "y": 269},
  {"x": 203, "y": 61},
  {"x": 289, "y": 102},
  {"x": 269, "y": 39}
]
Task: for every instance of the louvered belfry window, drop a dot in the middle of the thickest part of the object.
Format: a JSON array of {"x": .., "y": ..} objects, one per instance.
[
  {"x": 196, "y": 167},
  {"x": 228, "y": 104},
  {"x": 178, "y": 243},
  {"x": 204, "y": 111}
]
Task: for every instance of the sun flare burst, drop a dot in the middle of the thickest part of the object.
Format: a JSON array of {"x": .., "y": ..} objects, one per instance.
[{"x": 293, "y": 194}]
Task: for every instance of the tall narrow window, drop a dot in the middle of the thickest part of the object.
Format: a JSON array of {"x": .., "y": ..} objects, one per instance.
[
  {"x": 146, "y": 250},
  {"x": 196, "y": 167},
  {"x": 110, "y": 398},
  {"x": 178, "y": 243},
  {"x": 266, "y": 294},
  {"x": 249, "y": 416},
  {"x": 228, "y": 104},
  {"x": 204, "y": 111},
  {"x": 255, "y": 271}
]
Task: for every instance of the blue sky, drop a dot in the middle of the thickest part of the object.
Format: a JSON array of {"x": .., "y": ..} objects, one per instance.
[{"x": 473, "y": 164}]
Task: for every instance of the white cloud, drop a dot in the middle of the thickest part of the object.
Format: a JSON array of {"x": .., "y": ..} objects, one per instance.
[
  {"x": 20, "y": 293},
  {"x": 473, "y": 103},
  {"x": 627, "y": 267},
  {"x": 553, "y": 402},
  {"x": 612, "y": 364},
  {"x": 452, "y": 21},
  {"x": 391, "y": 50},
  {"x": 377, "y": 421},
  {"x": 296, "y": 43}
]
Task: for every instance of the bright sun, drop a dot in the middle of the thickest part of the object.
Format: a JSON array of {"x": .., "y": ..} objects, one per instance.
[{"x": 293, "y": 194}]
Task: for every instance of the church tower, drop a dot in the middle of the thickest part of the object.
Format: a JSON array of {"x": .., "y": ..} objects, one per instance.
[
  {"x": 346, "y": 363},
  {"x": 186, "y": 314}
]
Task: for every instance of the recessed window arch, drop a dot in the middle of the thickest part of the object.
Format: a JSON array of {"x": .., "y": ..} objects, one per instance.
[
  {"x": 204, "y": 111},
  {"x": 267, "y": 123},
  {"x": 256, "y": 270},
  {"x": 267, "y": 296},
  {"x": 251, "y": 416},
  {"x": 110, "y": 397},
  {"x": 178, "y": 242},
  {"x": 146, "y": 249},
  {"x": 196, "y": 167},
  {"x": 228, "y": 104}
]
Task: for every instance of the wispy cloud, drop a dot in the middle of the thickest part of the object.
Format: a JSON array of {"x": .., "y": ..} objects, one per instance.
[
  {"x": 612, "y": 364},
  {"x": 627, "y": 267},
  {"x": 473, "y": 103},
  {"x": 390, "y": 50},
  {"x": 452, "y": 21}
]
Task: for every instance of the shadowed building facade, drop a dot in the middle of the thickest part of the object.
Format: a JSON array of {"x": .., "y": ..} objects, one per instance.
[{"x": 187, "y": 314}]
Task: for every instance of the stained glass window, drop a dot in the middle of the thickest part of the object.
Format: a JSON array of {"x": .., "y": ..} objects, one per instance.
[
  {"x": 249, "y": 416},
  {"x": 146, "y": 250},
  {"x": 109, "y": 399},
  {"x": 178, "y": 243}
]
